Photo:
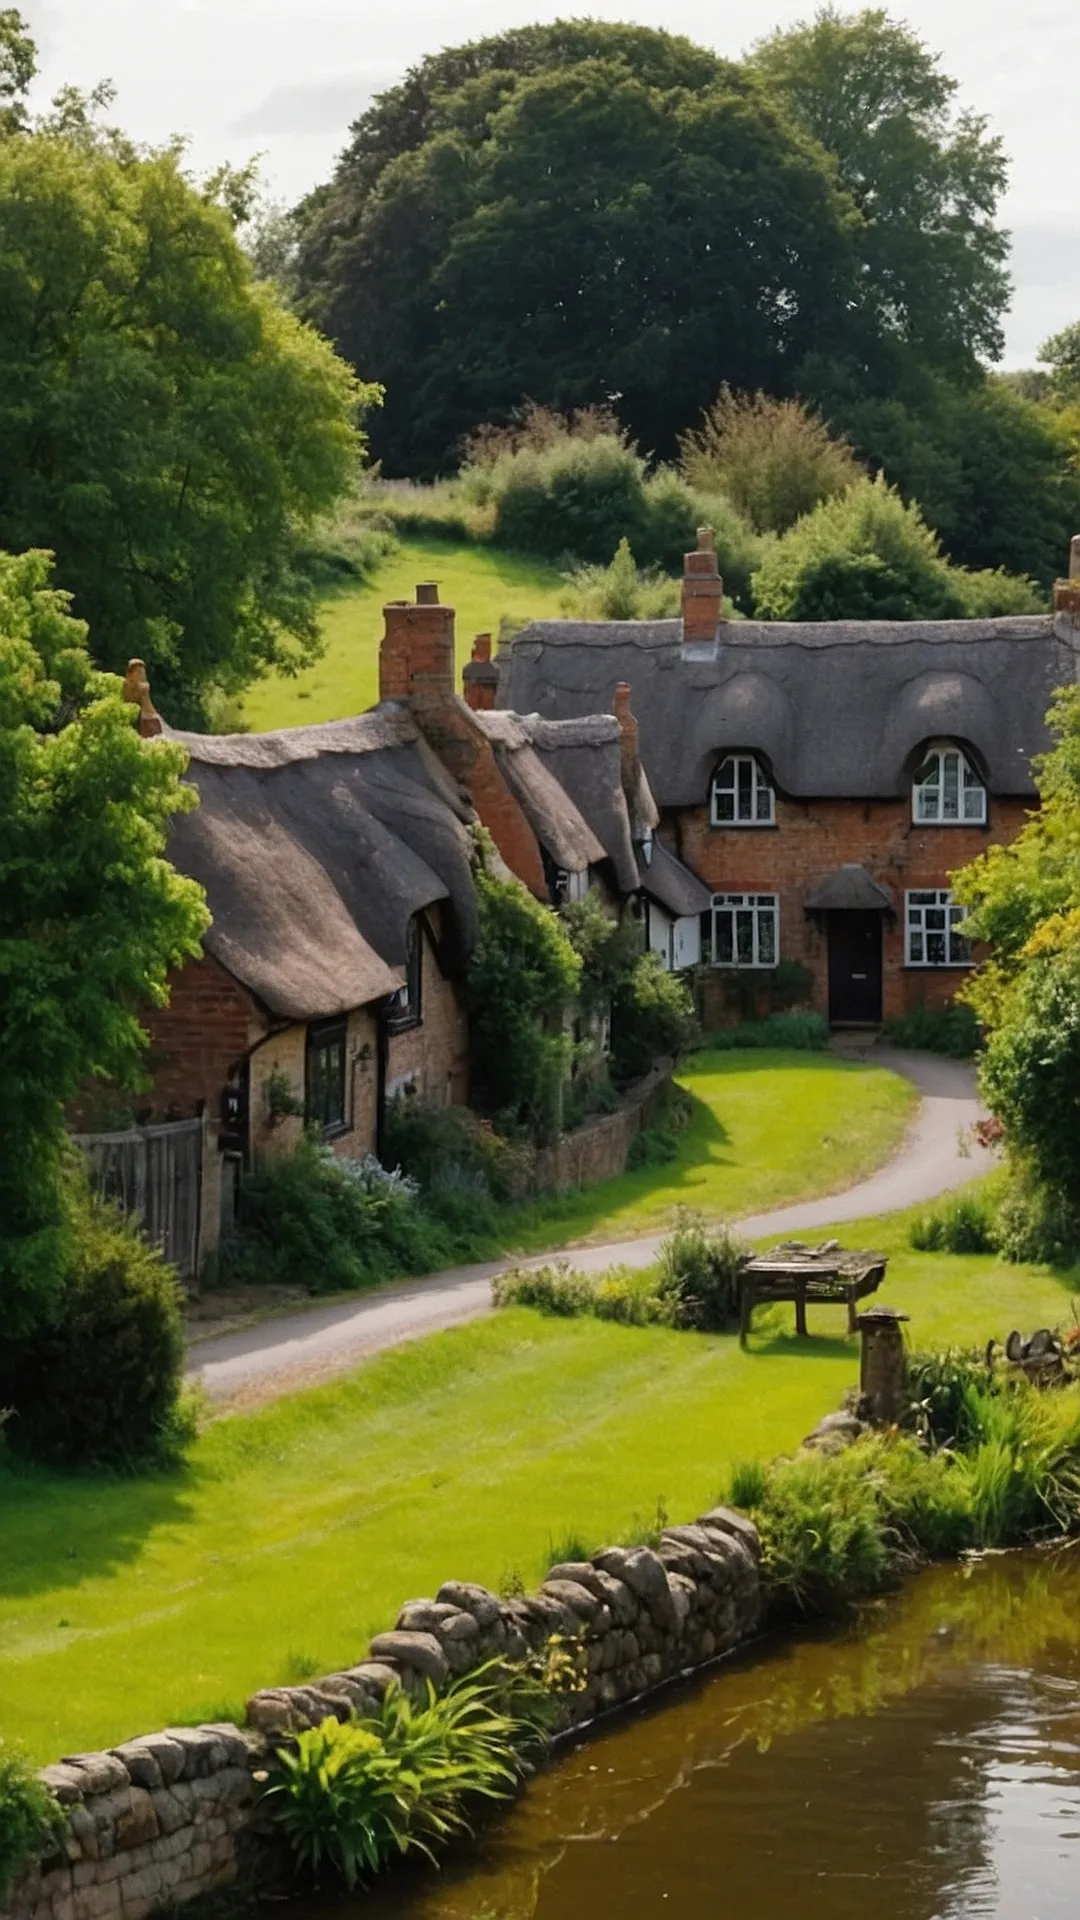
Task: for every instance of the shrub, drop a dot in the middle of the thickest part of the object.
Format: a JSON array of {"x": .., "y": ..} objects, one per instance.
[
  {"x": 523, "y": 976},
  {"x": 822, "y": 1542},
  {"x": 652, "y": 1013},
  {"x": 452, "y": 1147},
  {"x": 1014, "y": 1473},
  {"x": 774, "y": 459},
  {"x": 802, "y": 1032},
  {"x": 630, "y": 1296},
  {"x": 99, "y": 1382},
  {"x": 698, "y": 1272},
  {"x": 332, "y": 1224},
  {"x": 991, "y": 593},
  {"x": 652, "y": 1147},
  {"x": 576, "y": 489},
  {"x": 620, "y": 591},
  {"x": 1035, "y": 1222},
  {"x": 966, "y": 1223},
  {"x": 558, "y": 1289},
  {"x": 29, "y": 1816},
  {"x": 353, "y": 1795},
  {"x": 951, "y": 1030}
]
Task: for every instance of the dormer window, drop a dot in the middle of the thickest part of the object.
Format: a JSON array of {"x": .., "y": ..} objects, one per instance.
[
  {"x": 947, "y": 791},
  {"x": 741, "y": 794},
  {"x": 406, "y": 1007}
]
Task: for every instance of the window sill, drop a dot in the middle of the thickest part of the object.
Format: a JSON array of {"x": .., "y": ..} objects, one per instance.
[
  {"x": 743, "y": 966},
  {"x": 950, "y": 824},
  {"x": 743, "y": 826},
  {"x": 938, "y": 966},
  {"x": 337, "y": 1131}
]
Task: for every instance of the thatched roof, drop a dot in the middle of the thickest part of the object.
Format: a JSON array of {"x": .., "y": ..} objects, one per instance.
[
  {"x": 316, "y": 846},
  {"x": 674, "y": 886},
  {"x": 834, "y": 709},
  {"x": 567, "y": 776}
]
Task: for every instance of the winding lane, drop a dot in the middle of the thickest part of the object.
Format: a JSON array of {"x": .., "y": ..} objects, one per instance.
[{"x": 300, "y": 1349}]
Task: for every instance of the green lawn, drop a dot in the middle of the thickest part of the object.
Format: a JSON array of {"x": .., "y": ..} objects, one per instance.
[
  {"x": 481, "y": 582},
  {"x": 767, "y": 1128},
  {"x": 296, "y": 1532}
]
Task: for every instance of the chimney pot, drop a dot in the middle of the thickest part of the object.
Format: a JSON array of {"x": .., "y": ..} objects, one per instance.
[
  {"x": 137, "y": 690},
  {"x": 706, "y": 540},
  {"x": 1074, "y": 558},
  {"x": 622, "y": 699},
  {"x": 427, "y": 594},
  {"x": 482, "y": 647}
]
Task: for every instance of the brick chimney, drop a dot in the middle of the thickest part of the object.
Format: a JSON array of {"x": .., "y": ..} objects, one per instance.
[
  {"x": 1067, "y": 592},
  {"x": 702, "y": 590},
  {"x": 480, "y": 676},
  {"x": 416, "y": 657},
  {"x": 137, "y": 690},
  {"x": 628, "y": 741}
]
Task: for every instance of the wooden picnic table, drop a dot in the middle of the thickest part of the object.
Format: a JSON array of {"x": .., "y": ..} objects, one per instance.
[{"x": 829, "y": 1274}]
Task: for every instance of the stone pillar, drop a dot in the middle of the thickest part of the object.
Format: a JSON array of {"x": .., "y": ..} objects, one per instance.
[{"x": 883, "y": 1364}]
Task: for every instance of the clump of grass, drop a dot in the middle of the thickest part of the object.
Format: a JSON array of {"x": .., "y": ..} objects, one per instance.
[
  {"x": 966, "y": 1223},
  {"x": 565, "y": 1547},
  {"x": 352, "y": 1796}
]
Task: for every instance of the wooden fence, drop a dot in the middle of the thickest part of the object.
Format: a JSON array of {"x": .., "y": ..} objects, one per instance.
[{"x": 156, "y": 1174}]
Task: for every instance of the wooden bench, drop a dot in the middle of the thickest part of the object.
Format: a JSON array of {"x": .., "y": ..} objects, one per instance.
[{"x": 830, "y": 1275}]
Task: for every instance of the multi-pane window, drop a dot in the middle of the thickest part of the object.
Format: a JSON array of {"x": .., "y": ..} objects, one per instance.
[
  {"x": 931, "y": 939},
  {"x": 741, "y": 794},
  {"x": 325, "y": 1090},
  {"x": 947, "y": 790},
  {"x": 745, "y": 929}
]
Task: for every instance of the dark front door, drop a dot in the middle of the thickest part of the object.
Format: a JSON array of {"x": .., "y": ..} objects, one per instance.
[{"x": 854, "y": 968}]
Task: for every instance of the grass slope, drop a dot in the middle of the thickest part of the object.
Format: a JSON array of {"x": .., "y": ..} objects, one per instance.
[
  {"x": 768, "y": 1128},
  {"x": 296, "y": 1532},
  {"x": 482, "y": 583}
]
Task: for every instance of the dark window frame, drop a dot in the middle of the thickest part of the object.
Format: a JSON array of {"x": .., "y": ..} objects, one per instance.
[
  {"x": 325, "y": 1081},
  {"x": 407, "y": 1006}
]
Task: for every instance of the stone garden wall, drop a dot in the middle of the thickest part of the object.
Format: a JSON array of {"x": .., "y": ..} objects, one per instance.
[
  {"x": 598, "y": 1149},
  {"x": 169, "y": 1816}
]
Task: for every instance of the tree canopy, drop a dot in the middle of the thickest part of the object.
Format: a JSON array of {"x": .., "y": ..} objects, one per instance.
[
  {"x": 925, "y": 177},
  {"x": 589, "y": 212},
  {"x": 166, "y": 428},
  {"x": 92, "y": 917},
  {"x": 1024, "y": 902},
  {"x": 575, "y": 214}
]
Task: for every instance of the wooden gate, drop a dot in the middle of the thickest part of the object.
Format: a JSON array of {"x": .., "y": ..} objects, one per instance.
[{"x": 156, "y": 1174}]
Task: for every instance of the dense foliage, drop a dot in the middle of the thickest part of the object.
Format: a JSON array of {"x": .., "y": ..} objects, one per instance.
[
  {"x": 167, "y": 429},
  {"x": 1024, "y": 902},
  {"x": 29, "y": 1815},
  {"x": 480, "y": 243},
  {"x": 952, "y": 1030},
  {"x": 523, "y": 977},
  {"x": 865, "y": 554},
  {"x": 97, "y": 1382},
  {"x": 91, "y": 915},
  {"x": 926, "y": 179}
]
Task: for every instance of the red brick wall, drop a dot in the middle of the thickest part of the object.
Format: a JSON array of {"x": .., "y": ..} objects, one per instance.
[
  {"x": 209, "y": 1023},
  {"x": 810, "y": 840}
]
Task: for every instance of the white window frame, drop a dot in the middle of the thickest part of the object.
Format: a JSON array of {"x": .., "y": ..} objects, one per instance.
[
  {"x": 919, "y": 902},
  {"x": 760, "y": 788},
  {"x": 757, "y": 908},
  {"x": 948, "y": 768}
]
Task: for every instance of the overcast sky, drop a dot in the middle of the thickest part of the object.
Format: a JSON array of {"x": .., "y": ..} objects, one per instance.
[{"x": 285, "y": 77}]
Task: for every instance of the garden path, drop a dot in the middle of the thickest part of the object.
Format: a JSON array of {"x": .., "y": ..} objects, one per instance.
[{"x": 294, "y": 1350}]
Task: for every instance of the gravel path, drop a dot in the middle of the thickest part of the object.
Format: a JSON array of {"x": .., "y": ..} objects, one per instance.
[{"x": 300, "y": 1349}]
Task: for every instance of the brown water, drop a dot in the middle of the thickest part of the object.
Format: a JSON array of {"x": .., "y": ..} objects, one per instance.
[{"x": 923, "y": 1764}]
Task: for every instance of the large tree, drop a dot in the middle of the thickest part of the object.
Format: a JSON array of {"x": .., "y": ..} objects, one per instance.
[
  {"x": 926, "y": 178},
  {"x": 165, "y": 427},
  {"x": 576, "y": 213},
  {"x": 91, "y": 915}
]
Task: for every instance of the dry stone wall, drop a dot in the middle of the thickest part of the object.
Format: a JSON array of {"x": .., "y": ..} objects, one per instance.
[{"x": 168, "y": 1816}]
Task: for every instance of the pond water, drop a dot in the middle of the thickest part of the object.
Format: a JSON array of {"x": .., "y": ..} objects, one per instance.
[{"x": 920, "y": 1764}]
